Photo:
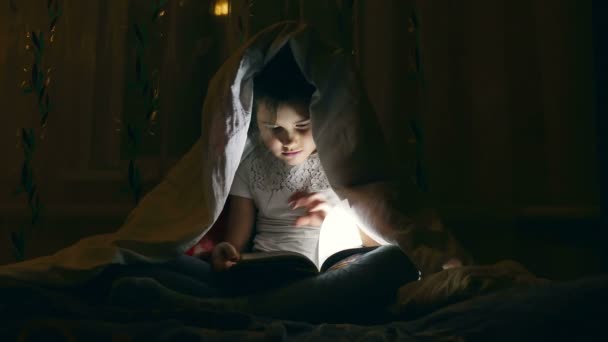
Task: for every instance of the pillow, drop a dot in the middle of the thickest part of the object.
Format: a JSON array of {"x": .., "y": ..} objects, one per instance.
[{"x": 456, "y": 284}]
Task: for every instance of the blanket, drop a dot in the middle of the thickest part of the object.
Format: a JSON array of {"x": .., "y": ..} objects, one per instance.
[
  {"x": 173, "y": 216},
  {"x": 141, "y": 309}
]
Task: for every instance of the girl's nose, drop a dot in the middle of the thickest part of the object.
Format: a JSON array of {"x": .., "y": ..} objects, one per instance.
[
  {"x": 287, "y": 139},
  {"x": 289, "y": 145}
]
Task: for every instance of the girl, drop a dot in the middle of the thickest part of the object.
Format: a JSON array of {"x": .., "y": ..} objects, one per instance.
[
  {"x": 282, "y": 190},
  {"x": 280, "y": 187}
]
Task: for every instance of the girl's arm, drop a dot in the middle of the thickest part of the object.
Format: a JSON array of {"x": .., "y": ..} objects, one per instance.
[{"x": 240, "y": 220}]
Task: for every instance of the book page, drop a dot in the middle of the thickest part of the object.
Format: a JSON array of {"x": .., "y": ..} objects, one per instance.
[
  {"x": 266, "y": 255},
  {"x": 338, "y": 232},
  {"x": 286, "y": 261}
]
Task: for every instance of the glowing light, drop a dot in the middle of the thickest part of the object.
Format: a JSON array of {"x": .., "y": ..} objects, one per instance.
[
  {"x": 221, "y": 8},
  {"x": 338, "y": 232}
]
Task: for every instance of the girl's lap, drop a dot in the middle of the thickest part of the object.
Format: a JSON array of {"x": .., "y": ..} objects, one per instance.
[
  {"x": 359, "y": 292},
  {"x": 369, "y": 282}
]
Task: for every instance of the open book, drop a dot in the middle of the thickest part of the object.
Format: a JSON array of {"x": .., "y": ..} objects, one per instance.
[
  {"x": 296, "y": 262},
  {"x": 261, "y": 271},
  {"x": 339, "y": 239},
  {"x": 339, "y": 245}
]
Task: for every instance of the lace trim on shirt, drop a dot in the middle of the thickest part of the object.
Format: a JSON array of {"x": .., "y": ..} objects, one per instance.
[{"x": 268, "y": 173}]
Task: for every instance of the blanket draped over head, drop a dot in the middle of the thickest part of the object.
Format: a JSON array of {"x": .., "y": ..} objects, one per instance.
[{"x": 181, "y": 209}]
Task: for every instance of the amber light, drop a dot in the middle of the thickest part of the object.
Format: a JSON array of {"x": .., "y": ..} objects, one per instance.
[{"x": 221, "y": 8}]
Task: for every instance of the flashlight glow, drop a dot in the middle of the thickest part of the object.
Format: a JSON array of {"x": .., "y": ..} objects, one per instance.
[{"x": 338, "y": 232}]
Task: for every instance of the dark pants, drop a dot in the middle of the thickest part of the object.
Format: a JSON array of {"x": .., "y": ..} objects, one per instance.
[
  {"x": 186, "y": 274},
  {"x": 359, "y": 292}
]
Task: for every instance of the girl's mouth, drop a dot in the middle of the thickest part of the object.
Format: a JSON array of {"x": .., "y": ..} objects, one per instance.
[{"x": 291, "y": 153}]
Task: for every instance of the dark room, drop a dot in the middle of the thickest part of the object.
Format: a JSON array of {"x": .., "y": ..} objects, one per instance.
[{"x": 318, "y": 170}]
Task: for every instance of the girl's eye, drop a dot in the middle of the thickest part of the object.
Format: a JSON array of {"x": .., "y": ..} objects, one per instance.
[{"x": 303, "y": 126}]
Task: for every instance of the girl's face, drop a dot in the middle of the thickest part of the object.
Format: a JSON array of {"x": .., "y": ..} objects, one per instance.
[{"x": 288, "y": 134}]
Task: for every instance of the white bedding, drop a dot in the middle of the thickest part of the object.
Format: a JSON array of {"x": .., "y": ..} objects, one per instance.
[{"x": 174, "y": 215}]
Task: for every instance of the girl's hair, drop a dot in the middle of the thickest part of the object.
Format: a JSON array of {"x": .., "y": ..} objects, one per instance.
[{"x": 280, "y": 82}]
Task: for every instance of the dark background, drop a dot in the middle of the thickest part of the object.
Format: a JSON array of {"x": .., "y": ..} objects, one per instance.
[{"x": 507, "y": 94}]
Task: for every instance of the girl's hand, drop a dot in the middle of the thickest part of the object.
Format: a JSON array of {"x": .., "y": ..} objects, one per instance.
[
  {"x": 317, "y": 205},
  {"x": 224, "y": 256}
]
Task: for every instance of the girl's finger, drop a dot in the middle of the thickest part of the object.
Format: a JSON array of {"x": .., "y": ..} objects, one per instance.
[
  {"x": 311, "y": 220},
  {"x": 297, "y": 195},
  {"x": 307, "y": 200},
  {"x": 312, "y": 204},
  {"x": 302, "y": 221},
  {"x": 230, "y": 253},
  {"x": 319, "y": 206}
]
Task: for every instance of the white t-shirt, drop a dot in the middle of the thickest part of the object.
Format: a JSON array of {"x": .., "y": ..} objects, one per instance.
[{"x": 270, "y": 182}]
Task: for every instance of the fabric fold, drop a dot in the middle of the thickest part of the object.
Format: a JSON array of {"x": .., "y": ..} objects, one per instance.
[{"x": 174, "y": 215}]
